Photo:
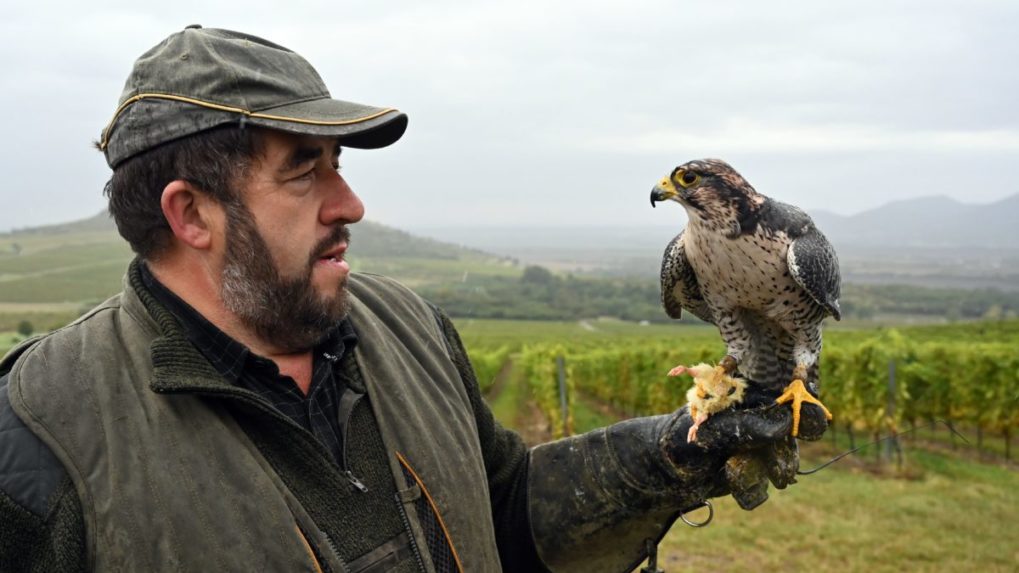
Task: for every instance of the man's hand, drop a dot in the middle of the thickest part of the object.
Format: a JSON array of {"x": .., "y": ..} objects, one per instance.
[{"x": 595, "y": 500}]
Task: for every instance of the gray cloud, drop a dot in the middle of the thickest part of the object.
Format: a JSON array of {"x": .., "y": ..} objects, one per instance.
[{"x": 567, "y": 112}]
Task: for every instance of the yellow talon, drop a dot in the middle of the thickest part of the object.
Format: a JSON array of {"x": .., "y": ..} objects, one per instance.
[{"x": 796, "y": 392}]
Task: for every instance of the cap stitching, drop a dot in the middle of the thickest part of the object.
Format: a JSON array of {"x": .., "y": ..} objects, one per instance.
[{"x": 138, "y": 97}]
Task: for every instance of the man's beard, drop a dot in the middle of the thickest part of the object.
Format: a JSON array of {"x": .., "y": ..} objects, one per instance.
[{"x": 286, "y": 312}]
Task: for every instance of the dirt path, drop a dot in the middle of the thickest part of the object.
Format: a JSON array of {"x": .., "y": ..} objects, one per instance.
[
  {"x": 532, "y": 425},
  {"x": 509, "y": 398},
  {"x": 605, "y": 409},
  {"x": 499, "y": 385}
]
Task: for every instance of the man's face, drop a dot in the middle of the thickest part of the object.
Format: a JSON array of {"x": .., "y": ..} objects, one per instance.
[{"x": 283, "y": 272}]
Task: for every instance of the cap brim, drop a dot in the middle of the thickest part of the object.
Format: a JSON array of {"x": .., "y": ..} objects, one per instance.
[
  {"x": 160, "y": 118},
  {"x": 356, "y": 125}
]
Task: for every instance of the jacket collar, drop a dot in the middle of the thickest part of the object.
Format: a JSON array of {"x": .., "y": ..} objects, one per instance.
[{"x": 178, "y": 367}]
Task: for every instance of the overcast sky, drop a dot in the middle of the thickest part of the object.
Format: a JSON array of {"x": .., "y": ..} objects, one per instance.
[{"x": 565, "y": 113}]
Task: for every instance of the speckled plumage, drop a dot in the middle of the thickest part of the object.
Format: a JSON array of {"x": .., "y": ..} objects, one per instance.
[{"x": 757, "y": 268}]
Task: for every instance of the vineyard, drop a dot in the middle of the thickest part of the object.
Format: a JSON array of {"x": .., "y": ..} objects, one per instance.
[
  {"x": 857, "y": 515},
  {"x": 968, "y": 375}
]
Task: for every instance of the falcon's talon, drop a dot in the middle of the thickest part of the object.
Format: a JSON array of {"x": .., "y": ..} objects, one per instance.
[
  {"x": 729, "y": 364},
  {"x": 798, "y": 394}
]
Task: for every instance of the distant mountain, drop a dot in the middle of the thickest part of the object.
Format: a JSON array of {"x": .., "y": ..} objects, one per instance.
[
  {"x": 375, "y": 240},
  {"x": 99, "y": 222},
  {"x": 930, "y": 241},
  {"x": 926, "y": 222},
  {"x": 57, "y": 267},
  {"x": 368, "y": 239}
]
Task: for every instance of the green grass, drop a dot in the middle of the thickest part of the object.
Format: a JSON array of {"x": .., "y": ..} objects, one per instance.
[
  {"x": 43, "y": 317},
  {"x": 64, "y": 253},
  {"x": 587, "y": 415},
  {"x": 944, "y": 512},
  {"x": 8, "y": 339},
  {"x": 62, "y": 268},
  {"x": 959, "y": 516},
  {"x": 947, "y": 511},
  {"x": 494, "y": 333},
  {"x": 93, "y": 282},
  {"x": 941, "y": 513},
  {"x": 415, "y": 272},
  {"x": 506, "y": 400}
]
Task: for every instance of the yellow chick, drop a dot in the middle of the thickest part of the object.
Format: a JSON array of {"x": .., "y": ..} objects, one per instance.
[{"x": 713, "y": 391}]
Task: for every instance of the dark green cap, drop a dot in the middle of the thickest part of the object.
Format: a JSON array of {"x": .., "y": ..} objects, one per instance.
[{"x": 201, "y": 78}]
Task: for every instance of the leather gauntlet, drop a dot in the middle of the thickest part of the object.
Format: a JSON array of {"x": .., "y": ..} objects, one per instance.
[{"x": 595, "y": 498}]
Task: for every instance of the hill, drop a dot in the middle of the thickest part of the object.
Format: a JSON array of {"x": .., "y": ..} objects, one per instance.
[
  {"x": 937, "y": 221},
  {"x": 373, "y": 239},
  {"x": 97, "y": 223},
  {"x": 48, "y": 275}
]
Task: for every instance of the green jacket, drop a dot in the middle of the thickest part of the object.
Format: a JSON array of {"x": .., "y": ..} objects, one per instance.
[{"x": 165, "y": 472}]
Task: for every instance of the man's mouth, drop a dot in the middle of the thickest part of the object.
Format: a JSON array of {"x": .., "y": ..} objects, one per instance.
[{"x": 334, "y": 256}]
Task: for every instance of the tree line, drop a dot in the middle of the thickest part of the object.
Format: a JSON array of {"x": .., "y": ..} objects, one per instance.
[{"x": 540, "y": 294}]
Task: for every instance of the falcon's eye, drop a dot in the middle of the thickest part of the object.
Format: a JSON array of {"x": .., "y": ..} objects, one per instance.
[{"x": 688, "y": 179}]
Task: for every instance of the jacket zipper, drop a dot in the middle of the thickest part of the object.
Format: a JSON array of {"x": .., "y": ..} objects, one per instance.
[
  {"x": 410, "y": 532},
  {"x": 272, "y": 412},
  {"x": 319, "y": 566},
  {"x": 332, "y": 546},
  {"x": 348, "y": 401},
  {"x": 268, "y": 409},
  {"x": 355, "y": 482}
]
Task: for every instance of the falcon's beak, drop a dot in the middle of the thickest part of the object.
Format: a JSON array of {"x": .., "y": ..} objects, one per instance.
[{"x": 663, "y": 191}]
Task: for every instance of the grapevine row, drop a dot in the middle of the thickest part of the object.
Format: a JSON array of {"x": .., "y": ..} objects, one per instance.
[{"x": 975, "y": 383}]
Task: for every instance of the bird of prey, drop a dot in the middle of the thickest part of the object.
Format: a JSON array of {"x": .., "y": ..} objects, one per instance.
[{"x": 759, "y": 270}]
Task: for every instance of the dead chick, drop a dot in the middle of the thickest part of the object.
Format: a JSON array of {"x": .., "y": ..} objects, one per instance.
[{"x": 713, "y": 390}]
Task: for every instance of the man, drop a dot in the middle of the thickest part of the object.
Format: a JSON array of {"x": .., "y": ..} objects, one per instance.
[{"x": 246, "y": 403}]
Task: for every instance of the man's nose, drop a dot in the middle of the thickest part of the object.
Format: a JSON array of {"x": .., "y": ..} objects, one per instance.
[{"x": 341, "y": 204}]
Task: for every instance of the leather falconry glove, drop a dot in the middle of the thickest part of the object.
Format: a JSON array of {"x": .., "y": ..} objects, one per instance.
[{"x": 594, "y": 499}]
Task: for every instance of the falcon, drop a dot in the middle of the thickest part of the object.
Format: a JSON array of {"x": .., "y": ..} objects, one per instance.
[{"x": 756, "y": 268}]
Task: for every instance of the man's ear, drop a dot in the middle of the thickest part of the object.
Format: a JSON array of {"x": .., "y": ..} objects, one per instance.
[{"x": 192, "y": 214}]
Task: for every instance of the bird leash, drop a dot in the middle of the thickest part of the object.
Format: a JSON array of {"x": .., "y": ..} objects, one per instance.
[
  {"x": 651, "y": 545},
  {"x": 652, "y": 557},
  {"x": 948, "y": 424}
]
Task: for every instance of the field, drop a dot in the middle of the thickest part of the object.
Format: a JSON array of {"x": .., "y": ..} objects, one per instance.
[
  {"x": 50, "y": 276},
  {"x": 947, "y": 515},
  {"x": 949, "y": 506}
]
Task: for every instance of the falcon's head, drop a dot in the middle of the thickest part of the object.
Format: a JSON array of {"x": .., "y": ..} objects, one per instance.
[{"x": 712, "y": 192}]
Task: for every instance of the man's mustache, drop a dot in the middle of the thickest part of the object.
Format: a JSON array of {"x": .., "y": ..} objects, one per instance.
[{"x": 339, "y": 234}]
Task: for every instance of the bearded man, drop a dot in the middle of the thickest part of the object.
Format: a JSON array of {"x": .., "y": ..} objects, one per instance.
[{"x": 247, "y": 403}]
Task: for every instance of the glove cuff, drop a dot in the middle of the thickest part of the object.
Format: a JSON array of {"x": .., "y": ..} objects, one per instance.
[{"x": 595, "y": 498}]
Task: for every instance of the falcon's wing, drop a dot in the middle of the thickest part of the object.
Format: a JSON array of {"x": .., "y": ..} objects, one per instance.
[
  {"x": 815, "y": 267},
  {"x": 679, "y": 284}
]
